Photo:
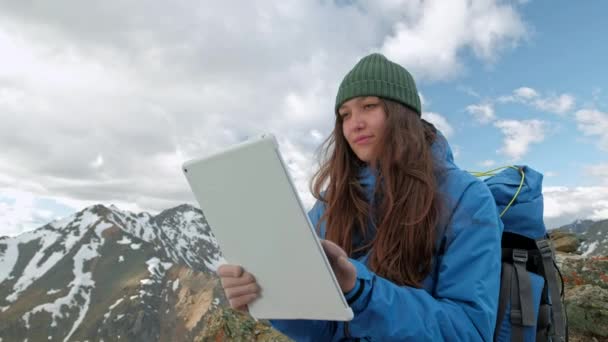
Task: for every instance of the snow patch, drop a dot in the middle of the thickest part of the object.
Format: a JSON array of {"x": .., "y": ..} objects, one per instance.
[
  {"x": 87, "y": 218},
  {"x": 124, "y": 241},
  {"x": 592, "y": 247},
  {"x": 9, "y": 258},
  {"x": 153, "y": 266},
  {"x": 4, "y": 308},
  {"x": 33, "y": 271},
  {"x": 121, "y": 259},
  {"x": 135, "y": 246},
  {"x": 133, "y": 297},
  {"x": 116, "y": 303},
  {"x": 81, "y": 286},
  {"x": 78, "y": 224},
  {"x": 52, "y": 291},
  {"x": 107, "y": 314},
  {"x": 62, "y": 223},
  {"x": 175, "y": 284},
  {"x": 101, "y": 227},
  {"x": 157, "y": 270},
  {"x": 119, "y": 317},
  {"x": 146, "y": 281}
]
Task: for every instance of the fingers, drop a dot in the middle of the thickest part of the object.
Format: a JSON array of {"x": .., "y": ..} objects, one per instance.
[
  {"x": 244, "y": 308},
  {"x": 332, "y": 250},
  {"x": 227, "y": 270},
  {"x": 241, "y": 303},
  {"x": 244, "y": 279},
  {"x": 241, "y": 287},
  {"x": 346, "y": 265},
  {"x": 243, "y": 290}
]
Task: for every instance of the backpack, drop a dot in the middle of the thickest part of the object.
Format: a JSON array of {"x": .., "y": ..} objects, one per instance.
[{"x": 531, "y": 297}]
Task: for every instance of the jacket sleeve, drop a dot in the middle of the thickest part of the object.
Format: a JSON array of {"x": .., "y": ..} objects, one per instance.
[
  {"x": 466, "y": 298},
  {"x": 308, "y": 330}
]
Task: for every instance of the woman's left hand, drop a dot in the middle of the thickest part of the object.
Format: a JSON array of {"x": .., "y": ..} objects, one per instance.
[{"x": 345, "y": 271}]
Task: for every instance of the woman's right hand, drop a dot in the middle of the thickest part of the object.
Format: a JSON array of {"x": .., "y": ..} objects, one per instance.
[{"x": 240, "y": 287}]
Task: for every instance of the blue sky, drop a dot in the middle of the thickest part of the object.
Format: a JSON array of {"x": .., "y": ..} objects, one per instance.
[
  {"x": 563, "y": 55},
  {"x": 106, "y": 108}
]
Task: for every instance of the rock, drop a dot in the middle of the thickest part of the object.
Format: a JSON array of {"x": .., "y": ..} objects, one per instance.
[
  {"x": 587, "y": 307},
  {"x": 564, "y": 242},
  {"x": 225, "y": 324},
  {"x": 578, "y": 270}
]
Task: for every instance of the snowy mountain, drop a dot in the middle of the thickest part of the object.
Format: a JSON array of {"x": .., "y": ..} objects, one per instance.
[
  {"x": 106, "y": 274},
  {"x": 594, "y": 240},
  {"x": 592, "y": 236},
  {"x": 577, "y": 227}
]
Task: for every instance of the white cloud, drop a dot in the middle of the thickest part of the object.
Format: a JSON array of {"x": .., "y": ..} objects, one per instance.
[
  {"x": 98, "y": 162},
  {"x": 599, "y": 171},
  {"x": 316, "y": 135},
  {"x": 440, "y": 123},
  {"x": 17, "y": 216},
  {"x": 423, "y": 101},
  {"x": 559, "y": 104},
  {"x": 483, "y": 113},
  {"x": 525, "y": 93},
  {"x": 300, "y": 164},
  {"x": 519, "y": 135},
  {"x": 555, "y": 104},
  {"x": 131, "y": 98},
  {"x": 487, "y": 163},
  {"x": 469, "y": 91},
  {"x": 594, "y": 123},
  {"x": 564, "y": 205},
  {"x": 430, "y": 43},
  {"x": 551, "y": 174}
]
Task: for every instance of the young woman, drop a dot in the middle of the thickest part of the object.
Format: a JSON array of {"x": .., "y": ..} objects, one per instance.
[{"x": 414, "y": 241}]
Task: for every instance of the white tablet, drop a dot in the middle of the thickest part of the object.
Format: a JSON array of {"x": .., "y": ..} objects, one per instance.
[{"x": 258, "y": 219}]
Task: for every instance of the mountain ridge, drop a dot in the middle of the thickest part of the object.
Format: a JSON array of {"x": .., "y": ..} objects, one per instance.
[{"x": 103, "y": 273}]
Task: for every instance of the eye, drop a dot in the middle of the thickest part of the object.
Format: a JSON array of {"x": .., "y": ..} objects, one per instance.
[
  {"x": 344, "y": 114},
  {"x": 369, "y": 105}
]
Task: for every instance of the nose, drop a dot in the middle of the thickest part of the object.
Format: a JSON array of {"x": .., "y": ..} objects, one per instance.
[{"x": 358, "y": 121}]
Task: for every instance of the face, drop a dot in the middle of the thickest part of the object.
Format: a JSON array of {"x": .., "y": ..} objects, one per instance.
[{"x": 363, "y": 122}]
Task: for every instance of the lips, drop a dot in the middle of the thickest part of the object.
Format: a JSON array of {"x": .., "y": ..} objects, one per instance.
[{"x": 362, "y": 139}]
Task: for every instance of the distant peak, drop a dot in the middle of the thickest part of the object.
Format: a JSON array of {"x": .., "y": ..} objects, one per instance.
[
  {"x": 185, "y": 206},
  {"x": 98, "y": 209},
  {"x": 182, "y": 208}
]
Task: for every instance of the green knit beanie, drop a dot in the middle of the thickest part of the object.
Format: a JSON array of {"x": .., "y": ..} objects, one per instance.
[{"x": 375, "y": 75}]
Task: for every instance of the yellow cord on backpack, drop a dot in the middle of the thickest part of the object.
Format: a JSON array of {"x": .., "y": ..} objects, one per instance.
[{"x": 493, "y": 173}]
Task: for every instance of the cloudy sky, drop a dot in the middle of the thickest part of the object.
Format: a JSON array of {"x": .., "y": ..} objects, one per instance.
[{"x": 101, "y": 102}]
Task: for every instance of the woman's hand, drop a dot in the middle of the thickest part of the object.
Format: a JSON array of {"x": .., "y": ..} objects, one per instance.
[
  {"x": 240, "y": 287},
  {"x": 345, "y": 271}
]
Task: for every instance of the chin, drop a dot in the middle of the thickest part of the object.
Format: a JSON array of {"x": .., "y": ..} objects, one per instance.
[{"x": 364, "y": 159}]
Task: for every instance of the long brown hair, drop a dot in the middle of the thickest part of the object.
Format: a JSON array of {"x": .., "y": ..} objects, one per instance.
[{"x": 407, "y": 206}]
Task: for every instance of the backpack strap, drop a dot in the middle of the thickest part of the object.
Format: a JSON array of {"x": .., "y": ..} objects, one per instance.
[
  {"x": 559, "y": 322},
  {"x": 503, "y": 300},
  {"x": 521, "y": 315},
  {"x": 544, "y": 323}
]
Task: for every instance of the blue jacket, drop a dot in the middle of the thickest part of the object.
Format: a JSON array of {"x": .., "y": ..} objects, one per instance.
[{"x": 459, "y": 300}]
